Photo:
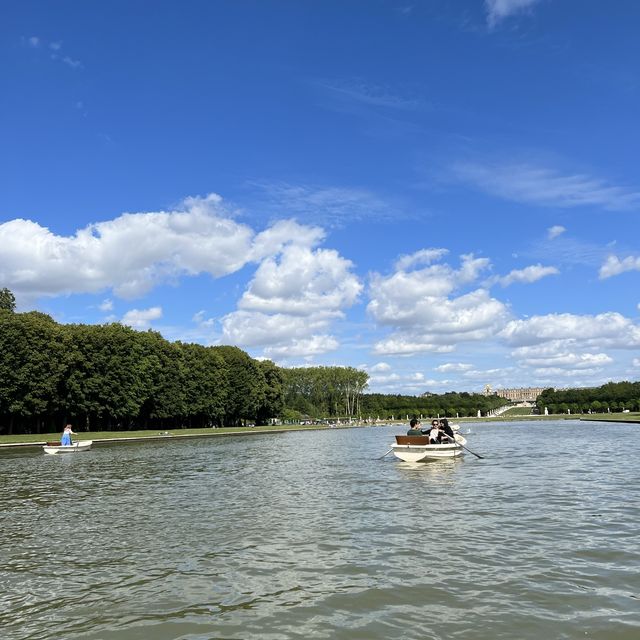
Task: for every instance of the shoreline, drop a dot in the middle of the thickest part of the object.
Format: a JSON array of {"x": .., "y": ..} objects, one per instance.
[{"x": 106, "y": 437}]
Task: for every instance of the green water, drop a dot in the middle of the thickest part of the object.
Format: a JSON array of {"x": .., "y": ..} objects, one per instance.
[{"x": 307, "y": 535}]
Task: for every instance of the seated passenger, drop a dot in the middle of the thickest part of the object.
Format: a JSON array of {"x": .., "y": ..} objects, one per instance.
[
  {"x": 434, "y": 434},
  {"x": 415, "y": 428},
  {"x": 445, "y": 428}
]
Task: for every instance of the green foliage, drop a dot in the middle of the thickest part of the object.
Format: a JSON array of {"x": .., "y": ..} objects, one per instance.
[
  {"x": 246, "y": 386},
  {"x": 324, "y": 391},
  {"x": 613, "y": 396},
  {"x": 114, "y": 378},
  {"x": 7, "y": 300},
  {"x": 449, "y": 404}
]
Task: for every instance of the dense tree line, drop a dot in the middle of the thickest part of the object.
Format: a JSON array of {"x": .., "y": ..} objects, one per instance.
[
  {"x": 322, "y": 392},
  {"x": 112, "y": 377},
  {"x": 449, "y": 404},
  {"x": 613, "y": 396},
  {"x": 325, "y": 392}
]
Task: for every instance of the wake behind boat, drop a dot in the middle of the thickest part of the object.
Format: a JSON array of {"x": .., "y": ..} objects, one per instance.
[
  {"x": 56, "y": 448},
  {"x": 418, "y": 449}
]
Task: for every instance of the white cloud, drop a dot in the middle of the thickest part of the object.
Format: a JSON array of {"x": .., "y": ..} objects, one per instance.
[
  {"x": 55, "y": 46},
  {"x": 422, "y": 257},
  {"x": 604, "y": 330},
  {"x": 418, "y": 306},
  {"x": 555, "y": 231},
  {"x": 527, "y": 275},
  {"x": 380, "y": 367},
  {"x": 301, "y": 281},
  {"x": 106, "y": 305},
  {"x": 284, "y": 233},
  {"x": 141, "y": 318},
  {"x": 34, "y": 41},
  {"x": 636, "y": 362},
  {"x": 498, "y": 10},
  {"x": 202, "y": 321},
  {"x": 535, "y": 357},
  {"x": 255, "y": 329},
  {"x": 291, "y": 302},
  {"x": 613, "y": 266},
  {"x": 303, "y": 347},
  {"x": 547, "y": 187},
  {"x": 130, "y": 254},
  {"x": 454, "y": 366}
]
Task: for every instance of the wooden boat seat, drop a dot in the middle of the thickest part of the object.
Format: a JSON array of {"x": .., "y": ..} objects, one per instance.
[{"x": 412, "y": 440}]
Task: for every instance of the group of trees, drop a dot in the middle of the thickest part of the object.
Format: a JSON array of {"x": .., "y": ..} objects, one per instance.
[
  {"x": 449, "y": 404},
  {"x": 112, "y": 377},
  {"x": 322, "y": 392},
  {"x": 613, "y": 396}
]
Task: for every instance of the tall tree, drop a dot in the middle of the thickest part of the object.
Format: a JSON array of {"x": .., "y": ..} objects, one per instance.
[{"x": 7, "y": 300}]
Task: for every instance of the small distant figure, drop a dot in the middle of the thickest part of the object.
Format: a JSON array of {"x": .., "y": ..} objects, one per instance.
[
  {"x": 434, "y": 433},
  {"x": 65, "y": 441},
  {"x": 414, "y": 428}
]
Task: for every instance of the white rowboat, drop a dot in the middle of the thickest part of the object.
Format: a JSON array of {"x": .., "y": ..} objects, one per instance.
[
  {"x": 55, "y": 448},
  {"x": 418, "y": 449}
]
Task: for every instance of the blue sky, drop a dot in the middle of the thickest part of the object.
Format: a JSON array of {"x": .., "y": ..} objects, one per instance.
[{"x": 443, "y": 193}]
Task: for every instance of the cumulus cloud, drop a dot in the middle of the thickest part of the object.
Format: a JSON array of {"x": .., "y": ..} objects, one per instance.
[
  {"x": 426, "y": 317},
  {"x": 297, "y": 291},
  {"x": 498, "y": 10},
  {"x": 303, "y": 347},
  {"x": 604, "y": 330},
  {"x": 130, "y": 254},
  {"x": 302, "y": 281},
  {"x": 561, "y": 359},
  {"x": 527, "y": 275},
  {"x": 613, "y": 266},
  {"x": 291, "y": 302},
  {"x": 141, "y": 318},
  {"x": 454, "y": 366}
]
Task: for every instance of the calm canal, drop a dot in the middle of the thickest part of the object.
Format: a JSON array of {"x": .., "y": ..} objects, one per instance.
[{"x": 308, "y": 535}]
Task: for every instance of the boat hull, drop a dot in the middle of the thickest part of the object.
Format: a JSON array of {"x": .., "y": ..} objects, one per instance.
[
  {"x": 418, "y": 449},
  {"x": 76, "y": 447}
]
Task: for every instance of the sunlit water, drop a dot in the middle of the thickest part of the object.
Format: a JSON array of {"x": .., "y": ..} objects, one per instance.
[{"x": 309, "y": 535}]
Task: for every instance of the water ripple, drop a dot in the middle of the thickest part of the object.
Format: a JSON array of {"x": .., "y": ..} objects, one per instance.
[{"x": 309, "y": 535}]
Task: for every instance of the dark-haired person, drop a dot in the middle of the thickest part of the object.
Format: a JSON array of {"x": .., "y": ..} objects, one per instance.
[
  {"x": 444, "y": 426},
  {"x": 414, "y": 428}
]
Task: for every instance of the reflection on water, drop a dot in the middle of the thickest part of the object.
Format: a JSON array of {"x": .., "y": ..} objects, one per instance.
[{"x": 311, "y": 535}]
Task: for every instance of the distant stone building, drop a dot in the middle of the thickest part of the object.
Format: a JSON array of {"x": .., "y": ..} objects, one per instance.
[{"x": 524, "y": 394}]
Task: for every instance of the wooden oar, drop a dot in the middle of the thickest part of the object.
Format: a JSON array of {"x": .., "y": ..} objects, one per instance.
[
  {"x": 477, "y": 455},
  {"x": 386, "y": 454}
]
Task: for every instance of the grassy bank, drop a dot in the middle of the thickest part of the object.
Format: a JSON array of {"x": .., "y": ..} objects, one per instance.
[{"x": 40, "y": 438}]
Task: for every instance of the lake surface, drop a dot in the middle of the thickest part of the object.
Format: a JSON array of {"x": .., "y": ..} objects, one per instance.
[{"x": 308, "y": 535}]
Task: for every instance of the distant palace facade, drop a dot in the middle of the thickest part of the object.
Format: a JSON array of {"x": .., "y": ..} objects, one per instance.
[{"x": 523, "y": 394}]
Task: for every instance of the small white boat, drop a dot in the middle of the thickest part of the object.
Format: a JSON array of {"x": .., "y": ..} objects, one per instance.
[
  {"x": 76, "y": 447},
  {"x": 418, "y": 449}
]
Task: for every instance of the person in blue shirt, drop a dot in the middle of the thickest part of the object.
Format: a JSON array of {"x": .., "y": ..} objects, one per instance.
[{"x": 65, "y": 441}]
